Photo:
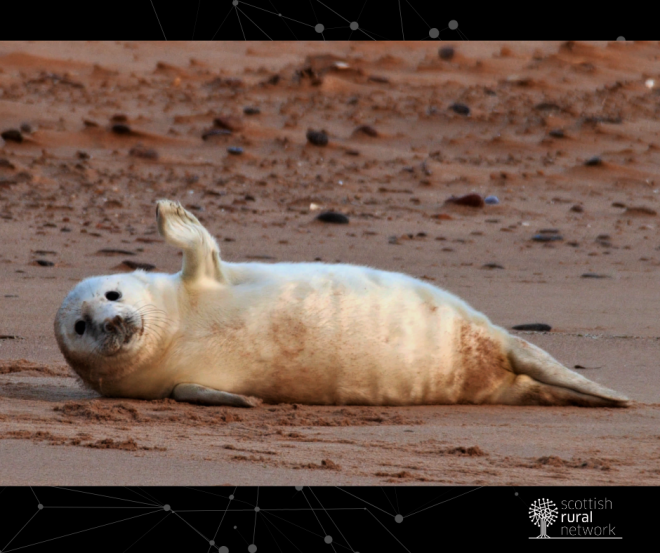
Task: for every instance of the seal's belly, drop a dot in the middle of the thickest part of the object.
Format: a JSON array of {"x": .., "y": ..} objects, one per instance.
[{"x": 367, "y": 337}]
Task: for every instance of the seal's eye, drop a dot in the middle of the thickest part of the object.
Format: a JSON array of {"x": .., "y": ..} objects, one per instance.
[
  {"x": 80, "y": 327},
  {"x": 112, "y": 296}
]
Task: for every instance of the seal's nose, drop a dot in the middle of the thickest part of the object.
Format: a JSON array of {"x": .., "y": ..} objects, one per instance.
[{"x": 113, "y": 325}]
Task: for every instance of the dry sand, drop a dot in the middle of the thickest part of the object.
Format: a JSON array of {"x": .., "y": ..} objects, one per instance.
[{"x": 73, "y": 187}]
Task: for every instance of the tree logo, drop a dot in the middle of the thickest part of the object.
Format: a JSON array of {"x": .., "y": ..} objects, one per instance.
[{"x": 543, "y": 513}]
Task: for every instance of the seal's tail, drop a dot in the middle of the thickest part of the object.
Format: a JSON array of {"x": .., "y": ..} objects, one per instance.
[{"x": 542, "y": 380}]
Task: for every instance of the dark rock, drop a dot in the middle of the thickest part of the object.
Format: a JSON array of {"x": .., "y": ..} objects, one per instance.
[
  {"x": 547, "y": 237},
  {"x": 113, "y": 251},
  {"x": 593, "y": 162},
  {"x": 120, "y": 128},
  {"x": 249, "y": 110},
  {"x": 461, "y": 109},
  {"x": 446, "y": 53},
  {"x": 142, "y": 152},
  {"x": 45, "y": 263},
  {"x": 557, "y": 133},
  {"x": 135, "y": 265},
  {"x": 594, "y": 275},
  {"x": 534, "y": 327},
  {"x": 229, "y": 123},
  {"x": 366, "y": 129},
  {"x": 577, "y": 208},
  {"x": 333, "y": 217},
  {"x": 215, "y": 132},
  {"x": 235, "y": 150},
  {"x": 471, "y": 200},
  {"x": 13, "y": 135},
  {"x": 318, "y": 138},
  {"x": 492, "y": 266},
  {"x": 26, "y": 128}
]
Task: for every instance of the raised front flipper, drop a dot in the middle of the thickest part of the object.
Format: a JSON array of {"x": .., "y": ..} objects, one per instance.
[{"x": 196, "y": 393}]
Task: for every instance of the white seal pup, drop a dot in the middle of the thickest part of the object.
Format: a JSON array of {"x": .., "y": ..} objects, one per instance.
[{"x": 222, "y": 333}]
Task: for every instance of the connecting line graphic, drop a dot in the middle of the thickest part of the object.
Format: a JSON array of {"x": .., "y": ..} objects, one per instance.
[
  {"x": 150, "y": 529},
  {"x": 158, "y": 19},
  {"x": 253, "y": 23},
  {"x": 331, "y": 520},
  {"x": 441, "y": 502},
  {"x": 319, "y": 521},
  {"x": 5, "y": 550}
]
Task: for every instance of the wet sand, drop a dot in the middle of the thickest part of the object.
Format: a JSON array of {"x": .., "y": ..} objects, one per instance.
[{"x": 539, "y": 113}]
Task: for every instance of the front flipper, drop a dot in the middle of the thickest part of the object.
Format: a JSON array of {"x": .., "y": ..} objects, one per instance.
[{"x": 196, "y": 393}]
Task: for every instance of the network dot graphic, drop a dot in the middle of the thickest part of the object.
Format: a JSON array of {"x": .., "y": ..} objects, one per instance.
[
  {"x": 319, "y": 28},
  {"x": 40, "y": 506},
  {"x": 211, "y": 542},
  {"x": 299, "y": 488},
  {"x": 235, "y": 2},
  {"x": 256, "y": 509},
  {"x": 166, "y": 507},
  {"x": 252, "y": 548},
  {"x": 354, "y": 26},
  {"x": 434, "y": 33},
  {"x": 223, "y": 549},
  {"x": 621, "y": 39},
  {"x": 231, "y": 496},
  {"x": 398, "y": 518},
  {"x": 453, "y": 25},
  {"x": 327, "y": 539}
]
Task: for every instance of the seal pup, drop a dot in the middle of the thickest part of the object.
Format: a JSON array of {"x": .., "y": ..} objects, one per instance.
[{"x": 221, "y": 333}]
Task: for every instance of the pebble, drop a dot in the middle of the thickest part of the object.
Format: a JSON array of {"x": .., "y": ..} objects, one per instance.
[
  {"x": 229, "y": 123},
  {"x": 549, "y": 231},
  {"x": 215, "y": 132},
  {"x": 141, "y": 151},
  {"x": 618, "y": 204},
  {"x": 491, "y": 200},
  {"x": 26, "y": 128},
  {"x": 366, "y": 129},
  {"x": 135, "y": 265},
  {"x": 13, "y": 135},
  {"x": 557, "y": 133},
  {"x": 641, "y": 210},
  {"x": 461, "y": 109},
  {"x": 45, "y": 263},
  {"x": 378, "y": 79},
  {"x": 593, "y": 161},
  {"x": 113, "y": 251},
  {"x": 235, "y": 150},
  {"x": 446, "y": 53},
  {"x": 535, "y": 327},
  {"x": 352, "y": 152},
  {"x": 120, "y": 128},
  {"x": 577, "y": 208},
  {"x": 594, "y": 275},
  {"x": 472, "y": 200},
  {"x": 492, "y": 266},
  {"x": 547, "y": 237},
  {"x": 318, "y": 138},
  {"x": 332, "y": 217},
  {"x": 249, "y": 110}
]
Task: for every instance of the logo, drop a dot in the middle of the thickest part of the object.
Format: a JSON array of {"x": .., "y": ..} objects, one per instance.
[{"x": 543, "y": 513}]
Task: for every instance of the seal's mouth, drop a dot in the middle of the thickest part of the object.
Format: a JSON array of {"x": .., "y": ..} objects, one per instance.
[{"x": 113, "y": 334}]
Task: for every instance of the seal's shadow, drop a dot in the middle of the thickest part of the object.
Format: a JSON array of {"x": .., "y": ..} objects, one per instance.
[{"x": 44, "y": 389}]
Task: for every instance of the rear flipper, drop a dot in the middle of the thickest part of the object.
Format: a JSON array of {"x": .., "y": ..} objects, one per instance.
[
  {"x": 196, "y": 393},
  {"x": 542, "y": 380}
]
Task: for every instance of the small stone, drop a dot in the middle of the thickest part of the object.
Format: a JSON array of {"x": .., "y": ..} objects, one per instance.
[
  {"x": 577, "y": 208},
  {"x": 318, "y": 138},
  {"x": 533, "y": 327},
  {"x": 491, "y": 200},
  {"x": 594, "y": 275},
  {"x": 471, "y": 200},
  {"x": 135, "y": 265},
  {"x": 641, "y": 210},
  {"x": 549, "y": 231},
  {"x": 229, "y": 123},
  {"x": 557, "y": 133},
  {"x": 547, "y": 237},
  {"x": 45, "y": 263},
  {"x": 332, "y": 217},
  {"x": 82, "y": 155},
  {"x": 492, "y": 266},
  {"x": 249, "y": 110},
  {"x": 593, "y": 162},
  {"x": 378, "y": 79},
  {"x": 461, "y": 109},
  {"x": 119, "y": 118},
  {"x": 215, "y": 132},
  {"x": 235, "y": 150},
  {"x": 366, "y": 129},
  {"x": 13, "y": 135},
  {"x": 142, "y": 152},
  {"x": 352, "y": 152},
  {"x": 120, "y": 128},
  {"x": 26, "y": 128},
  {"x": 446, "y": 53}
]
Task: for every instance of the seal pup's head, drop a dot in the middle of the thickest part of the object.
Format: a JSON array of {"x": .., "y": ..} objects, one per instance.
[{"x": 109, "y": 326}]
